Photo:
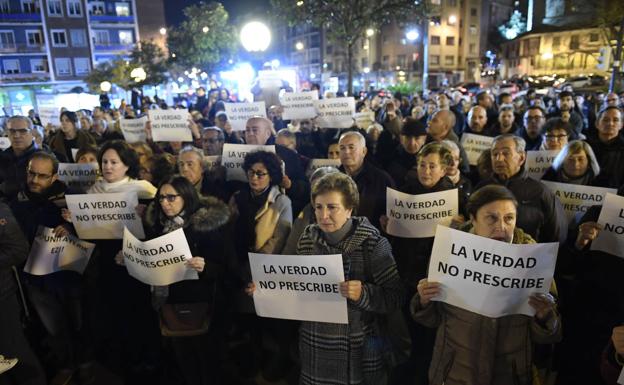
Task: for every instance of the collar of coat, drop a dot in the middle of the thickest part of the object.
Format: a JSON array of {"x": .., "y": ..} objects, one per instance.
[{"x": 211, "y": 215}]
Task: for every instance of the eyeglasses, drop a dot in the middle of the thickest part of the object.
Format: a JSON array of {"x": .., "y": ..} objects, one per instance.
[
  {"x": 20, "y": 131},
  {"x": 556, "y": 137},
  {"x": 33, "y": 175},
  {"x": 168, "y": 197},
  {"x": 534, "y": 118},
  {"x": 257, "y": 174}
]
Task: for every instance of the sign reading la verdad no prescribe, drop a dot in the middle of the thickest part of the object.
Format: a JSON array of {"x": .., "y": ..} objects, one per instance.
[
  {"x": 299, "y": 287},
  {"x": 490, "y": 277},
  {"x": 611, "y": 238}
]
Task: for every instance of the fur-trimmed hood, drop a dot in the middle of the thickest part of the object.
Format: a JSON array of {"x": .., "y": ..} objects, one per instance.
[{"x": 211, "y": 215}]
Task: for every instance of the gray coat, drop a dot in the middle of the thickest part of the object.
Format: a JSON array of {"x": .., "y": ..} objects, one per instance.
[{"x": 346, "y": 354}]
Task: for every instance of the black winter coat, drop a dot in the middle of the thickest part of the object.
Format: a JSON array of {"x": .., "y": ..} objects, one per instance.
[
  {"x": 610, "y": 158},
  {"x": 13, "y": 250}
]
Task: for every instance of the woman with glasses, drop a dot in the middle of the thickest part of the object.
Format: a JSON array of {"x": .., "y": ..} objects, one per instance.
[
  {"x": 575, "y": 164},
  {"x": 178, "y": 206},
  {"x": 263, "y": 221}
]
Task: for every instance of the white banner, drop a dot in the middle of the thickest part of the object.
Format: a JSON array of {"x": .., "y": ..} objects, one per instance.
[
  {"x": 299, "y": 105},
  {"x": 299, "y": 287},
  {"x": 364, "y": 119},
  {"x": 490, "y": 277},
  {"x": 80, "y": 176},
  {"x": 4, "y": 143},
  {"x": 211, "y": 161},
  {"x": 239, "y": 113},
  {"x": 134, "y": 129},
  {"x": 234, "y": 157},
  {"x": 537, "y": 162},
  {"x": 417, "y": 216},
  {"x": 170, "y": 126},
  {"x": 611, "y": 238},
  {"x": 577, "y": 198},
  {"x": 335, "y": 112},
  {"x": 160, "y": 261},
  {"x": 474, "y": 145},
  {"x": 104, "y": 216},
  {"x": 318, "y": 163},
  {"x": 49, "y": 253},
  {"x": 50, "y": 115},
  {"x": 74, "y": 152}
]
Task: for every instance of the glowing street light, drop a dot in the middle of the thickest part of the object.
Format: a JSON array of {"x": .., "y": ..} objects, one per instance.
[
  {"x": 138, "y": 74},
  {"x": 255, "y": 36},
  {"x": 370, "y": 32},
  {"x": 205, "y": 29},
  {"x": 412, "y": 35},
  {"x": 366, "y": 70},
  {"x": 163, "y": 31},
  {"x": 452, "y": 19},
  {"x": 105, "y": 86},
  {"x": 299, "y": 46}
]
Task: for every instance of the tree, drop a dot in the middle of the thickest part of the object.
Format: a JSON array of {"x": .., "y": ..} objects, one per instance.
[
  {"x": 345, "y": 21},
  {"x": 205, "y": 39},
  {"x": 146, "y": 54},
  {"x": 610, "y": 16}
]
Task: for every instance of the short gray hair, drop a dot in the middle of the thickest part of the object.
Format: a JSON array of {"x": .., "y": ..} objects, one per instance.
[
  {"x": 452, "y": 146},
  {"x": 520, "y": 143},
  {"x": 574, "y": 147},
  {"x": 20, "y": 118},
  {"x": 196, "y": 151},
  {"x": 359, "y": 137}
]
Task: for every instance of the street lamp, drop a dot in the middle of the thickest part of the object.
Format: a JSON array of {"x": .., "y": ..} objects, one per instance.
[
  {"x": 299, "y": 46},
  {"x": 163, "y": 31},
  {"x": 255, "y": 36},
  {"x": 452, "y": 20},
  {"x": 105, "y": 86},
  {"x": 138, "y": 74},
  {"x": 412, "y": 35},
  {"x": 205, "y": 29},
  {"x": 370, "y": 32}
]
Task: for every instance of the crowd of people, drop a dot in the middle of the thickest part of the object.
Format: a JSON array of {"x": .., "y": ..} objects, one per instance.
[{"x": 63, "y": 326}]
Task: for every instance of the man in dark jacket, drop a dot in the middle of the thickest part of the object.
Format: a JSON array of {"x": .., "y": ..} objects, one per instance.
[
  {"x": 565, "y": 110},
  {"x": 440, "y": 127},
  {"x": 371, "y": 181},
  {"x": 413, "y": 137},
  {"x": 531, "y": 132},
  {"x": 608, "y": 145},
  {"x": 14, "y": 160},
  {"x": 13, "y": 344},
  {"x": 540, "y": 213}
]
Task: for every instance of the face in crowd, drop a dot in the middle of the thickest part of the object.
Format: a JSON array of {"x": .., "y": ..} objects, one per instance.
[
  {"x": 430, "y": 170},
  {"x": 333, "y": 151},
  {"x": 576, "y": 164},
  {"x": 453, "y": 170},
  {"x": 506, "y": 119},
  {"x": 20, "y": 135},
  {"x": 609, "y": 125},
  {"x": 412, "y": 144},
  {"x": 40, "y": 175},
  {"x": 443, "y": 101},
  {"x": 170, "y": 201},
  {"x": 477, "y": 119},
  {"x": 68, "y": 127},
  {"x": 113, "y": 168},
  {"x": 352, "y": 152},
  {"x": 556, "y": 139},
  {"x": 533, "y": 122},
  {"x": 495, "y": 220},
  {"x": 257, "y": 131},
  {"x": 330, "y": 211},
  {"x": 190, "y": 166},
  {"x": 439, "y": 125},
  {"x": 258, "y": 176},
  {"x": 211, "y": 143},
  {"x": 565, "y": 103},
  {"x": 506, "y": 159}
]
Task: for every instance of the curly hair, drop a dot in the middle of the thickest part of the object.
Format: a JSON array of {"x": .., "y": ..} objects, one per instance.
[
  {"x": 340, "y": 183},
  {"x": 446, "y": 157},
  {"x": 127, "y": 155},
  {"x": 271, "y": 161}
]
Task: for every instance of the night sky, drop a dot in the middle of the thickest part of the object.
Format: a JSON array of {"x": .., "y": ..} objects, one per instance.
[{"x": 237, "y": 9}]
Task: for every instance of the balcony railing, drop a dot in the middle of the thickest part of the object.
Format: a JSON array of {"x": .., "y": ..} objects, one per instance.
[
  {"x": 19, "y": 17},
  {"x": 24, "y": 77},
  {"x": 111, "y": 19},
  {"x": 21, "y": 48},
  {"x": 113, "y": 46}
]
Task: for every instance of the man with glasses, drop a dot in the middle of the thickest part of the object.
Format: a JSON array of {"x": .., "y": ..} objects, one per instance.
[
  {"x": 212, "y": 141},
  {"x": 556, "y": 134},
  {"x": 531, "y": 131},
  {"x": 14, "y": 160}
]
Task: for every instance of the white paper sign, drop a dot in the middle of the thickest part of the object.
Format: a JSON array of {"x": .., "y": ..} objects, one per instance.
[
  {"x": 474, "y": 145},
  {"x": 335, "y": 112},
  {"x": 490, "y": 277},
  {"x": 621, "y": 377},
  {"x": 234, "y": 157},
  {"x": 104, "y": 216},
  {"x": 417, "y": 216},
  {"x": 49, "y": 253},
  {"x": 577, "y": 198},
  {"x": 299, "y": 105},
  {"x": 299, "y": 287},
  {"x": 239, "y": 113},
  {"x": 537, "y": 162},
  {"x": 611, "y": 238},
  {"x": 160, "y": 261},
  {"x": 318, "y": 163},
  {"x": 4, "y": 143},
  {"x": 134, "y": 129},
  {"x": 364, "y": 119},
  {"x": 80, "y": 176},
  {"x": 269, "y": 79},
  {"x": 51, "y": 115},
  {"x": 170, "y": 126},
  {"x": 212, "y": 161}
]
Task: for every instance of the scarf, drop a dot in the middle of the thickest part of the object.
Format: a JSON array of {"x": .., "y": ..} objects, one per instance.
[{"x": 144, "y": 189}]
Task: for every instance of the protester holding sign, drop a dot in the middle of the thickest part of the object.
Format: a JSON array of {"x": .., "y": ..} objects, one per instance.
[
  {"x": 497, "y": 350},
  {"x": 70, "y": 136},
  {"x": 575, "y": 164},
  {"x": 348, "y": 354},
  {"x": 203, "y": 220}
]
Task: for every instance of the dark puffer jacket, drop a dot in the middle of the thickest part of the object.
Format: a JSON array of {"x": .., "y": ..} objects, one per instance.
[{"x": 13, "y": 250}]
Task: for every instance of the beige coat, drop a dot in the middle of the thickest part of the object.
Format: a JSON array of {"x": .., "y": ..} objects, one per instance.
[{"x": 273, "y": 223}]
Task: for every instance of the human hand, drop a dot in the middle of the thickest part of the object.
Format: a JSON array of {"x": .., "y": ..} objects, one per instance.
[
  {"x": 196, "y": 263},
  {"x": 251, "y": 287},
  {"x": 351, "y": 289},
  {"x": 194, "y": 128},
  {"x": 427, "y": 290},
  {"x": 140, "y": 209},
  {"x": 286, "y": 182},
  {"x": 588, "y": 231},
  {"x": 383, "y": 221},
  {"x": 544, "y": 305},
  {"x": 66, "y": 215},
  {"x": 61, "y": 231},
  {"x": 618, "y": 339},
  {"x": 148, "y": 130},
  {"x": 119, "y": 258}
]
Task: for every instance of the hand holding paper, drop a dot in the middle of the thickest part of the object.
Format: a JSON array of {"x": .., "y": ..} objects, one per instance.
[
  {"x": 427, "y": 290},
  {"x": 196, "y": 263},
  {"x": 544, "y": 305},
  {"x": 351, "y": 290},
  {"x": 588, "y": 231}
]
